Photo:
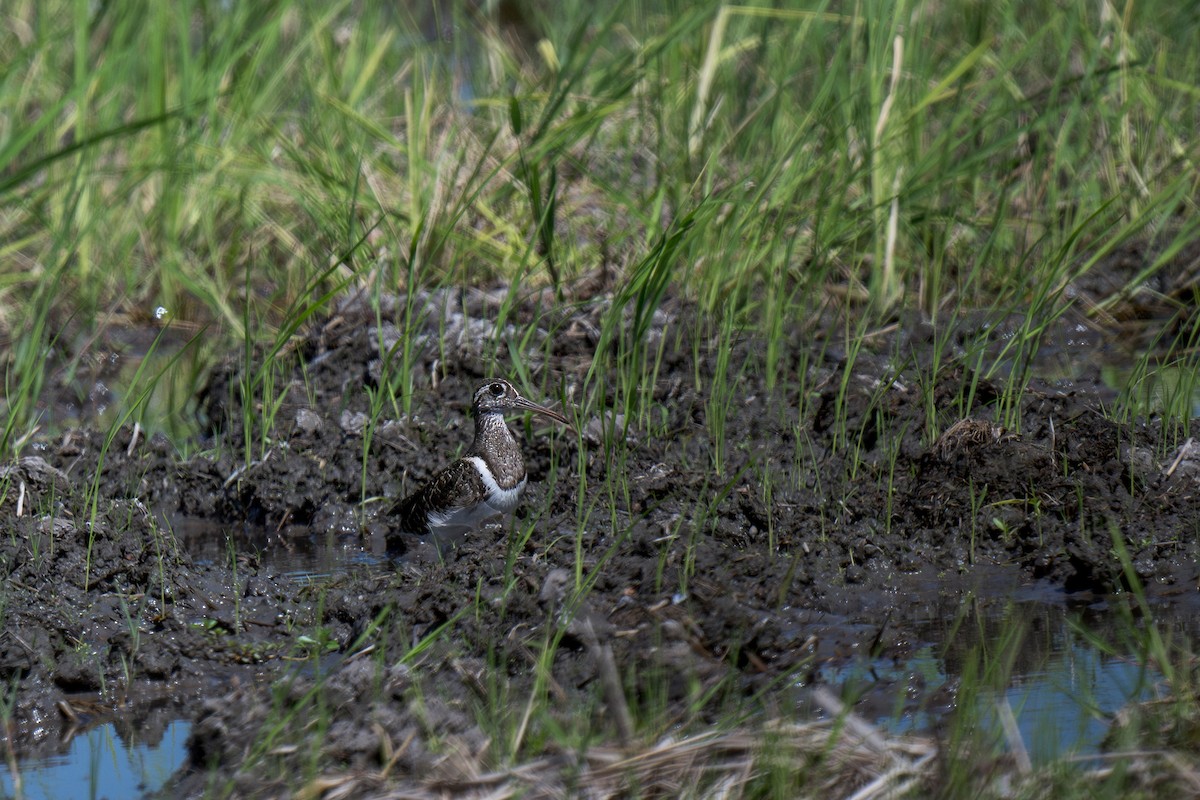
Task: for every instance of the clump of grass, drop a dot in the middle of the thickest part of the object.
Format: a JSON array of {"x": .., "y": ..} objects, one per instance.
[{"x": 878, "y": 158}]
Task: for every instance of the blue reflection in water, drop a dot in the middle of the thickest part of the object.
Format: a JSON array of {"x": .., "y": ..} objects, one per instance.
[
  {"x": 1066, "y": 709},
  {"x": 99, "y": 764},
  {"x": 1062, "y": 709}
]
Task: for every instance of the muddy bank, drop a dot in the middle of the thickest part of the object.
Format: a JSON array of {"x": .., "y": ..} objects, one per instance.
[{"x": 839, "y": 521}]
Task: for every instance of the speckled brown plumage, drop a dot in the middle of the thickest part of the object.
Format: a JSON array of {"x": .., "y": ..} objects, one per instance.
[
  {"x": 457, "y": 485},
  {"x": 486, "y": 481},
  {"x": 498, "y": 448}
]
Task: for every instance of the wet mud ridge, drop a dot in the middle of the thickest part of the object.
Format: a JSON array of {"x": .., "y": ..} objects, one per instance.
[{"x": 729, "y": 533}]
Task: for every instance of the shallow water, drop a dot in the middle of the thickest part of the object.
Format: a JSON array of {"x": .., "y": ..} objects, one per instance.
[
  {"x": 99, "y": 763},
  {"x": 294, "y": 553},
  {"x": 1060, "y": 710},
  {"x": 1062, "y": 689},
  {"x": 1063, "y": 709}
]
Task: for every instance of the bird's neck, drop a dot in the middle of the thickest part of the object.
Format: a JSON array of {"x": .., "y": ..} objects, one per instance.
[{"x": 498, "y": 448}]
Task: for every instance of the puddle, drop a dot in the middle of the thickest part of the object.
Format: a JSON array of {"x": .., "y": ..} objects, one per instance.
[
  {"x": 1060, "y": 710},
  {"x": 1066, "y": 708},
  {"x": 298, "y": 552},
  {"x": 1163, "y": 387},
  {"x": 118, "y": 362},
  {"x": 1062, "y": 690},
  {"x": 294, "y": 552},
  {"x": 99, "y": 763}
]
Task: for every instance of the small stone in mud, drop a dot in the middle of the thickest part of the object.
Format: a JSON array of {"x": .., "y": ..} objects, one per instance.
[
  {"x": 158, "y": 663},
  {"x": 56, "y": 526},
  {"x": 593, "y": 432},
  {"x": 308, "y": 421},
  {"x": 554, "y": 588},
  {"x": 353, "y": 421}
]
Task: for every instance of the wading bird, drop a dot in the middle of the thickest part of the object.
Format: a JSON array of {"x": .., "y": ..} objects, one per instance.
[{"x": 489, "y": 478}]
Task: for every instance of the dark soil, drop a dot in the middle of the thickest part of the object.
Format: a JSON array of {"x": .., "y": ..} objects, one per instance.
[{"x": 839, "y": 524}]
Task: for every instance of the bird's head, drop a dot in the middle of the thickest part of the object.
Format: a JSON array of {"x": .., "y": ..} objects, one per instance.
[{"x": 498, "y": 396}]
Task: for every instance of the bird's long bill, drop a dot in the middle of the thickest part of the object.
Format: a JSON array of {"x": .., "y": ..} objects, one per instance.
[{"x": 529, "y": 405}]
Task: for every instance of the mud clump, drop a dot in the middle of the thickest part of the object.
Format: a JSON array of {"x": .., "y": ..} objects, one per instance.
[{"x": 723, "y": 541}]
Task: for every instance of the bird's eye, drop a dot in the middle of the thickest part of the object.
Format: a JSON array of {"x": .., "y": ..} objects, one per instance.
[{"x": 496, "y": 389}]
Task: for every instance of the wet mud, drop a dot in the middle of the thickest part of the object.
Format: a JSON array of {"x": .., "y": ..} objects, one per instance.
[{"x": 838, "y": 524}]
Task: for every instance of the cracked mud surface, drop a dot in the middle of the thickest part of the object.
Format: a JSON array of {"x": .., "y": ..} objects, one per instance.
[{"x": 837, "y": 525}]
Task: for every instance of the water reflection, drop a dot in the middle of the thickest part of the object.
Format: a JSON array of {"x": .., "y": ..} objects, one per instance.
[
  {"x": 1064, "y": 674},
  {"x": 295, "y": 552},
  {"x": 100, "y": 763}
]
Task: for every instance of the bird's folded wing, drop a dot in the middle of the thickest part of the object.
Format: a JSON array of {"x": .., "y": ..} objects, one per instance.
[{"x": 457, "y": 486}]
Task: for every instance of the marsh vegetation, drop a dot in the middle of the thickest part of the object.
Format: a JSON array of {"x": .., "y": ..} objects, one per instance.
[{"x": 877, "y": 324}]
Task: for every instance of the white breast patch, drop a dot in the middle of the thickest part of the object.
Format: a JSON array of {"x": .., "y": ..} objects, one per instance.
[
  {"x": 502, "y": 500},
  {"x": 499, "y": 501}
]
